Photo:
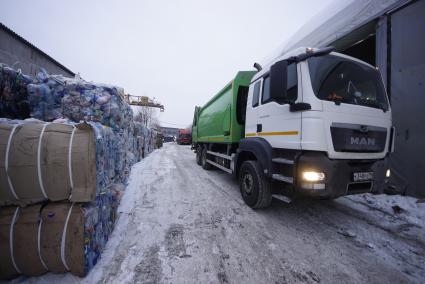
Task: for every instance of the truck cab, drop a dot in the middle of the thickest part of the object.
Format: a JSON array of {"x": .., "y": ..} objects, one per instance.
[
  {"x": 327, "y": 118},
  {"x": 184, "y": 137}
]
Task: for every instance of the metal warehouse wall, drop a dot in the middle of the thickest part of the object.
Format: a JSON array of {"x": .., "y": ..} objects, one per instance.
[
  {"x": 20, "y": 54},
  {"x": 406, "y": 85}
]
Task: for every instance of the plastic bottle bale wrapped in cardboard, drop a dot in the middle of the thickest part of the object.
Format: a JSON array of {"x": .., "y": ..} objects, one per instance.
[
  {"x": 7, "y": 268},
  {"x": 19, "y": 242},
  {"x": 46, "y": 161},
  {"x": 58, "y": 237},
  {"x": 74, "y": 235}
]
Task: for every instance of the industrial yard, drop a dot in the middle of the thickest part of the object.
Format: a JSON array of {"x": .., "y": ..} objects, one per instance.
[
  {"x": 179, "y": 223},
  {"x": 212, "y": 141}
]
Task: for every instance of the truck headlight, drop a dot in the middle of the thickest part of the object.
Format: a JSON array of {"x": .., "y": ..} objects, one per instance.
[
  {"x": 388, "y": 173},
  {"x": 311, "y": 176}
]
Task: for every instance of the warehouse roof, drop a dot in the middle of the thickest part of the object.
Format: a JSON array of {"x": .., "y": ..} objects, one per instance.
[
  {"x": 24, "y": 41},
  {"x": 334, "y": 22}
]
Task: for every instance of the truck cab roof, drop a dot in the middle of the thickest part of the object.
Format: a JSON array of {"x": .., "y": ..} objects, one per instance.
[{"x": 297, "y": 52}]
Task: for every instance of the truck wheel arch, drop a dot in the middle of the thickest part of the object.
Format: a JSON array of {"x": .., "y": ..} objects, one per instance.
[{"x": 257, "y": 149}]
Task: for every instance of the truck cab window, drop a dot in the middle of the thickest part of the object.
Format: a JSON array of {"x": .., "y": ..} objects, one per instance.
[
  {"x": 256, "y": 94},
  {"x": 266, "y": 90},
  {"x": 347, "y": 81},
  {"x": 292, "y": 83},
  {"x": 292, "y": 86}
]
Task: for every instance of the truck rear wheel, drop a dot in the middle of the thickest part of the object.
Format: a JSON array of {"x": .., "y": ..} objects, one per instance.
[
  {"x": 254, "y": 186},
  {"x": 199, "y": 155},
  {"x": 205, "y": 165}
]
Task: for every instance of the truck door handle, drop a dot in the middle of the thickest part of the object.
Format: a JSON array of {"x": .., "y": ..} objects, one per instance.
[{"x": 259, "y": 127}]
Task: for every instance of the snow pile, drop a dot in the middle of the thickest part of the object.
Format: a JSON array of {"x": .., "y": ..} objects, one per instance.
[{"x": 410, "y": 208}]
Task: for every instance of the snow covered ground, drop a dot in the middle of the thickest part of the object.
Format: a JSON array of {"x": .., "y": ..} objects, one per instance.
[{"x": 181, "y": 224}]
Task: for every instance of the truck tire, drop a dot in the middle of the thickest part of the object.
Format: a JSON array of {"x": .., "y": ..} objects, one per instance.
[
  {"x": 199, "y": 155},
  {"x": 205, "y": 165},
  {"x": 254, "y": 186}
]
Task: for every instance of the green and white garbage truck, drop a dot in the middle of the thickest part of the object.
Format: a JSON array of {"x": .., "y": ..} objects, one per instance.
[{"x": 313, "y": 123}]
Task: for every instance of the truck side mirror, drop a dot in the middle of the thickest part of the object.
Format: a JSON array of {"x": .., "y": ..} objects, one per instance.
[{"x": 278, "y": 81}]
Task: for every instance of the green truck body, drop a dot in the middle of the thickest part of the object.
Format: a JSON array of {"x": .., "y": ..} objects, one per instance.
[{"x": 220, "y": 119}]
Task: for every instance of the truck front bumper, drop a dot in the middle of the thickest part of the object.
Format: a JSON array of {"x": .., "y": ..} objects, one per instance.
[{"x": 339, "y": 177}]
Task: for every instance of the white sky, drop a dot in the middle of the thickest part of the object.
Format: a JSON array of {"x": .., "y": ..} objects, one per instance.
[{"x": 179, "y": 51}]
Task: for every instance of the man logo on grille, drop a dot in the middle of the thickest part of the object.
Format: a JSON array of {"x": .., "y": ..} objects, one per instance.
[{"x": 362, "y": 141}]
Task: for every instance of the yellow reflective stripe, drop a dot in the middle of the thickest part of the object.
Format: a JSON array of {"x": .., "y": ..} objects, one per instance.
[
  {"x": 272, "y": 133},
  {"x": 278, "y": 133},
  {"x": 216, "y": 138}
]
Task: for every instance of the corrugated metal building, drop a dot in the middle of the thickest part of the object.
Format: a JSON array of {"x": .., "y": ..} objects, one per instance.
[
  {"x": 18, "y": 53},
  {"x": 390, "y": 35}
]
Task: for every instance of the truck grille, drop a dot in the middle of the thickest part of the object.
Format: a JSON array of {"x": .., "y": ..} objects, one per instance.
[{"x": 358, "y": 138}]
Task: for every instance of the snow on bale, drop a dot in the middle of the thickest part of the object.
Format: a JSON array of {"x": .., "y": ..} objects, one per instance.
[
  {"x": 57, "y": 237},
  {"x": 60, "y": 161},
  {"x": 13, "y": 93}
]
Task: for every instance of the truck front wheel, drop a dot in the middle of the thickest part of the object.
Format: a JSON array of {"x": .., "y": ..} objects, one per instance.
[{"x": 254, "y": 186}]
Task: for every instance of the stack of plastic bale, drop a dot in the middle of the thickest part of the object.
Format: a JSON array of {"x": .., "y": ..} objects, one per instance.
[
  {"x": 151, "y": 140},
  {"x": 60, "y": 216},
  {"x": 54, "y": 97},
  {"x": 139, "y": 140},
  {"x": 13, "y": 93},
  {"x": 125, "y": 152},
  {"x": 147, "y": 134}
]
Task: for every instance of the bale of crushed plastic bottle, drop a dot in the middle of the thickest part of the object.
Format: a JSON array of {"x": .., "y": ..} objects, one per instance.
[
  {"x": 46, "y": 161},
  {"x": 54, "y": 96},
  {"x": 58, "y": 237},
  {"x": 14, "y": 101}
]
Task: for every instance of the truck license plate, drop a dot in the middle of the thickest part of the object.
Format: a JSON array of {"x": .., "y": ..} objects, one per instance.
[{"x": 363, "y": 176}]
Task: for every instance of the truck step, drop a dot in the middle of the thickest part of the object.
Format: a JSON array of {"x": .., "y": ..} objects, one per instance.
[
  {"x": 219, "y": 166},
  {"x": 282, "y": 161},
  {"x": 282, "y": 198},
  {"x": 283, "y": 178},
  {"x": 220, "y": 155}
]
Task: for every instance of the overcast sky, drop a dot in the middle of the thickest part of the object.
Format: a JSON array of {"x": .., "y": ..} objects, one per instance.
[{"x": 179, "y": 51}]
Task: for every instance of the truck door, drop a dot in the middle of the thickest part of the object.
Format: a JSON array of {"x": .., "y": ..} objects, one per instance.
[
  {"x": 252, "y": 108},
  {"x": 279, "y": 126}
]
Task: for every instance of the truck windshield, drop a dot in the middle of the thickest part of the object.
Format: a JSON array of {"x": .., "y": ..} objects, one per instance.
[{"x": 345, "y": 81}]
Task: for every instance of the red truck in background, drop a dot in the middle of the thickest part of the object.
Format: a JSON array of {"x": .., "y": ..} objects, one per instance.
[{"x": 185, "y": 137}]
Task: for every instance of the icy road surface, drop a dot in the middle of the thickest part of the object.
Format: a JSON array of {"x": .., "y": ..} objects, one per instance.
[{"x": 181, "y": 224}]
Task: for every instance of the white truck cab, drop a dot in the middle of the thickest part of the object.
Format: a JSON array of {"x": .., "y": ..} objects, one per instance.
[{"x": 327, "y": 120}]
